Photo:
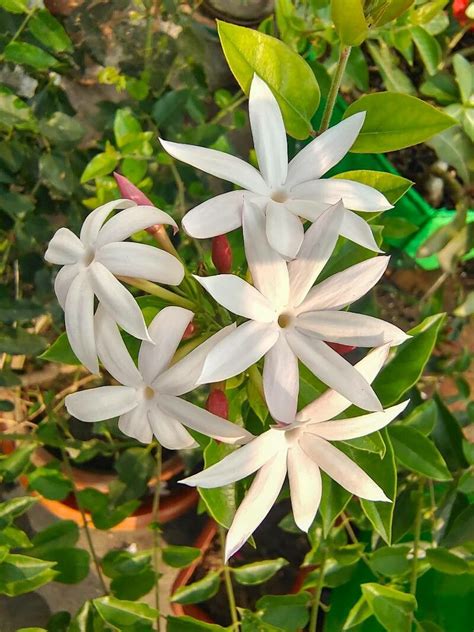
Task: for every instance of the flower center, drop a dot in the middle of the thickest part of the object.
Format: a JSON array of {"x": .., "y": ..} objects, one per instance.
[
  {"x": 149, "y": 392},
  {"x": 291, "y": 436},
  {"x": 285, "y": 319},
  {"x": 89, "y": 257},
  {"x": 279, "y": 196}
]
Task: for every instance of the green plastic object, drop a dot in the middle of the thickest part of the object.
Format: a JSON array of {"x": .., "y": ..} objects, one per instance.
[{"x": 411, "y": 207}]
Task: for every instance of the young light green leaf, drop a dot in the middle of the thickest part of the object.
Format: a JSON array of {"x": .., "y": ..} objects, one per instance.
[
  {"x": 48, "y": 31},
  {"x": 14, "y": 6},
  {"x": 349, "y": 20},
  {"x": 391, "y": 185},
  {"x": 250, "y": 52},
  {"x": 359, "y": 612},
  {"x": 201, "y": 590},
  {"x": 101, "y": 165},
  {"x": 391, "y": 10},
  {"x": 258, "y": 572},
  {"x": 394, "y": 121},
  {"x": 126, "y": 127},
  {"x": 60, "y": 351},
  {"x": 220, "y": 502},
  {"x": 391, "y": 607},
  {"x": 454, "y": 146},
  {"x": 464, "y": 74},
  {"x": 428, "y": 48}
]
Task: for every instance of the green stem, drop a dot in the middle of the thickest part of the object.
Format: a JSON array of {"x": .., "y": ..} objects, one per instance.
[
  {"x": 227, "y": 109},
  {"x": 335, "y": 85},
  {"x": 157, "y": 290},
  {"x": 416, "y": 541},
  {"x": 67, "y": 466},
  {"x": 156, "y": 533},
  {"x": 317, "y": 596},
  {"x": 228, "y": 585},
  {"x": 151, "y": 12}
]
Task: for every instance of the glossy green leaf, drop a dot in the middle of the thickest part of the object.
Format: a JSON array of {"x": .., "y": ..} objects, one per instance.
[
  {"x": 258, "y": 572},
  {"x": 387, "y": 62},
  {"x": 461, "y": 531},
  {"x": 250, "y": 52},
  {"x": 48, "y": 31},
  {"x": 16, "y": 463},
  {"x": 448, "y": 437},
  {"x": 72, "y": 565},
  {"x": 285, "y": 612},
  {"x": 61, "y": 129},
  {"x": 14, "y": 6},
  {"x": 446, "y": 562},
  {"x": 121, "y": 613},
  {"x": 384, "y": 473},
  {"x": 391, "y": 560},
  {"x": 391, "y": 607},
  {"x": 423, "y": 417},
  {"x": 455, "y": 147},
  {"x": 358, "y": 614},
  {"x": 23, "y": 53},
  {"x": 13, "y": 538},
  {"x": 391, "y": 185},
  {"x": 179, "y": 556},
  {"x": 61, "y": 534},
  {"x": 118, "y": 563},
  {"x": 188, "y": 624},
  {"x": 126, "y": 127},
  {"x": 334, "y": 499},
  {"x": 394, "y": 121},
  {"x": 50, "y": 483},
  {"x": 133, "y": 586},
  {"x": 391, "y": 10},
  {"x": 11, "y": 509},
  {"x": 101, "y": 165},
  {"x": 202, "y": 590},
  {"x": 428, "y": 48},
  {"x": 406, "y": 368},
  {"x": 349, "y": 20},
  {"x": 60, "y": 351},
  {"x": 464, "y": 77},
  {"x": 417, "y": 453},
  {"x": 220, "y": 502},
  {"x": 20, "y": 574}
]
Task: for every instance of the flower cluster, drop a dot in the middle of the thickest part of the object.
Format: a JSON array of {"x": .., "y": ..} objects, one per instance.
[{"x": 289, "y": 317}]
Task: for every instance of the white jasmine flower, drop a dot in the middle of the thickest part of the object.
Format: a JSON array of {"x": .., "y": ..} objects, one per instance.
[
  {"x": 285, "y": 192},
  {"x": 148, "y": 399},
  {"x": 300, "y": 449},
  {"x": 290, "y": 321},
  {"x": 90, "y": 263}
]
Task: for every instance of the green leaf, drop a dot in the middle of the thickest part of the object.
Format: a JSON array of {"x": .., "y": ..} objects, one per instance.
[
  {"x": 249, "y": 52},
  {"x": 119, "y": 563},
  {"x": 20, "y": 574},
  {"x": 100, "y": 165},
  {"x": 22, "y": 343},
  {"x": 448, "y": 438},
  {"x": 72, "y": 564},
  {"x": 423, "y": 418},
  {"x": 134, "y": 169},
  {"x": 417, "y": 453},
  {"x": 391, "y": 560},
  {"x": 428, "y": 47},
  {"x": 23, "y": 53},
  {"x": 133, "y": 586},
  {"x": 406, "y": 368},
  {"x": 392, "y": 186},
  {"x": 258, "y": 572},
  {"x": 169, "y": 106},
  {"x": 56, "y": 173},
  {"x": 394, "y": 121},
  {"x": 64, "y": 533},
  {"x": 391, "y": 11},
  {"x": 384, "y": 473},
  {"x": 14, "y": 6},
  {"x": 121, "y": 613},
  {"x": 14, "y": 113},
  {"x": 179, "y": 556},
  {"x": 60, "y": 351},
  {"x": 14, "y": 538},
  {"x": 48, "y": 31},
  {"x": 61, "y": 129},
  {"x": 188, "y": 624},
  {"x": 349, "y": 20},
  {"x": 50, "y": 483},
  {"x": 393, "y": 77},
  {"x": 126, "y": 127},
  {"x": 392, "y": 608},
  {"x": 285, "y": 612},
  {"x": 359, "y": 612},
  {"x": 201, "y": 590},
  {"x": 464, "y": 77},
  {"x": 461, "y": 530},
  {"x": 334, "y": 499},
  {"x": 135, "y": 467},
  {"x": 454, "y": 146},
  {"x": 16, "y": 463},
  {"x": 220, "y": 502},
  {"x": 11, "y": 509},
  {"x": 446, "y": 562}
]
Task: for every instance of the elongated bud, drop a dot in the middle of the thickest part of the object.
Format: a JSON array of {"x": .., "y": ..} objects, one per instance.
[
  {"x": 222, "y": 254},
  {"x": 217, "y": 403},
  {"x": 130, "y": 192},
  {"x": 340, "y": 348},
  {"x": 189, "y": 331}
]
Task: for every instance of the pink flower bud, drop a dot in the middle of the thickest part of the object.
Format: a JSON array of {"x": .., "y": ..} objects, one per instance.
[
  {"x": 222, "y": 254},
  {"x": 130, "y": 192},
  {"x": 340, "y": 348},
  {"x": 217, "y": 403},
  {"x": 189, "y": 331}
]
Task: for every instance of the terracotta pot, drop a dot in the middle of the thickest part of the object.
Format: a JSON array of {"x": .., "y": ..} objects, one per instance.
[
  {"x": 203, "y": 542},
  {"x": 171, "y": 507}
]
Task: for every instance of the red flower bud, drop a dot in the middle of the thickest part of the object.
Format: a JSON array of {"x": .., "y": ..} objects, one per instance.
[
  {"x": 189, "y": 331},
  {"x": 459, "y": 12},
  {"x": 340, "y": 348},
  {"x": 130, "y": 192},
  {"x": 222, "y": 254},
  {"x": 217, "y": 403}
]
